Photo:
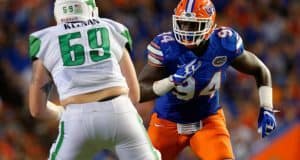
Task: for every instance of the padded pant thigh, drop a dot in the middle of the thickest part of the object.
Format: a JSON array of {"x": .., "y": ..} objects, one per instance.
[
  {"x": 164, "y": 137},
  {"x": 67, "y": 145},
  {"x": 212, "y": 142},
  {"x": 132, "y": 140}
]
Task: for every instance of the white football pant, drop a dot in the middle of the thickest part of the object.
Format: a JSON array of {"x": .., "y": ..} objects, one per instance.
[{"x": 113, "y": 124}]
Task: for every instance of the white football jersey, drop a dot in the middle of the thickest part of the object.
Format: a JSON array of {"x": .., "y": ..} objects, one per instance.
[{"x": 82, "y": 57}]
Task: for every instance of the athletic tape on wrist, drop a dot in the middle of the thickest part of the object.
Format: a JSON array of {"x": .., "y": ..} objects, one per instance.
[
  {"x": 163, "y": 86},
  {"x": 265, "y": 97}
]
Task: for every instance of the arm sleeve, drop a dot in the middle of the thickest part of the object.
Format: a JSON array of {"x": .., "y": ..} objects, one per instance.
[
  {"x": 155, "y": 53},
  {"x": 34, "y": 47},
  {"x": 128, "y": 43}
]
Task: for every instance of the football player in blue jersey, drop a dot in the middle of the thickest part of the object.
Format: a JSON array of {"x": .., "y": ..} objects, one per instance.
[{"x": 184, "y": 73}]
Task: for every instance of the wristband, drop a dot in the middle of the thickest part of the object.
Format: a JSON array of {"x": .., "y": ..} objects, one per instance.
[
  {"x": 265, "y": 97},
  {"x": 163, "y": 86}
]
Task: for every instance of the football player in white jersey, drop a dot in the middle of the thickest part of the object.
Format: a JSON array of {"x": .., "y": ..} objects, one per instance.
[{"x": 87, "y": 59}]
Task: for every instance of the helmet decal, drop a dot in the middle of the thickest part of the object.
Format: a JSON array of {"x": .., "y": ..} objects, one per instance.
[
  {"x": 91, "y": 3},
  {"x": 190, "y": 5},
  {"x": 210, "y": 9}
]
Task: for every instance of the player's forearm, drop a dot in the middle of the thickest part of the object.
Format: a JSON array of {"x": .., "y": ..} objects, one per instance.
[
  {"x": 38, "y": 104},
  {"x": 37, "y": 99},
  {"x": 43, "y": 114},
  {"x": 248, "y": 63},
  {"x": 129, "y": 73},
  {"x": 48, "y": 114},
  {"x": 41, "y": 110},
  {"x": 147, "y": 93},
  {"x": 158, "y": 88},
  {"x": 264, "y": 84}
]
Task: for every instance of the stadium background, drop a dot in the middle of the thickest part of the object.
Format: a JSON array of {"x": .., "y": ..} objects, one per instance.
[{"x": 270, "y": 28}]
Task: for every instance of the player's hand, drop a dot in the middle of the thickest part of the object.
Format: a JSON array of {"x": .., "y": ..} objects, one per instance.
[
  {"x": 57, "y": 110},
  {"x": 185, "y": 71},
  {"x": 266, "y": 121}
]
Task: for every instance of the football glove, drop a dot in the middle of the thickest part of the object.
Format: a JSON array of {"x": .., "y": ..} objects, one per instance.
[
  {"x": 266, "y": 121},
  {"x": 185, "y": 71}
]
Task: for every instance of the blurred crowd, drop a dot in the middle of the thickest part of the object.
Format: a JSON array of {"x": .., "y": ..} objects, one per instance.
[{"x": 269, "y": 28}]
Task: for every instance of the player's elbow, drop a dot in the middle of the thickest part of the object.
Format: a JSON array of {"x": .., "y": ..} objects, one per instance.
[
  {"x": 267, "y": 71},
  {"x": 263, "y": 75},
  {"x": 147, "y": 93},
  {"x": 35, "y": 112},
  {"x": 134, "y": 96},
  {"x": 264, "y": 71}
]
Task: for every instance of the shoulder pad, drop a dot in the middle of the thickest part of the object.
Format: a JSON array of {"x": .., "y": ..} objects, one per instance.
[
  {"x": 163, "y": 41},
  {"x": 39, "y": 39},
  {"x": 155, "y": 44},
  {"x": 120, "y": 28},
  {"x": 116, "y": 25},
  {"x": 156, "y": 48},
  {"x": 35, "y": 41},
  {"x": 34, "y": 46},
  {"x": 230, "y": 39},
  {"x": 165, "y": 37}
]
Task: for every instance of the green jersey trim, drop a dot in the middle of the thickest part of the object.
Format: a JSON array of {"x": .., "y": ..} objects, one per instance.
[
  {"x": 60, "y": 140},
  {"x": 126, "y": 34},
  {"x": 34, "y": 46}
]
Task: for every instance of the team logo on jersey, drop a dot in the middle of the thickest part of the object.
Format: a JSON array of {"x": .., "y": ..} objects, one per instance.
[{"x": 219, "y": 61}]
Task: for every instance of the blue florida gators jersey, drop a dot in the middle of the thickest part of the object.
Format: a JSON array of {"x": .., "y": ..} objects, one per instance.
[{"x": 198, "y": 97}]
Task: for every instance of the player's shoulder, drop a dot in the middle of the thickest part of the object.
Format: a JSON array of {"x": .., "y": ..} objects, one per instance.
[
  {"x": 164, "y": 38},
  {"x": 163, "y": 42},
  {"x": 228, "y": 39},
  {"x": 45, "y": 31},
  {"x": 114, "y": 24},
  {"x": 39, "y": 39},
  {"x": 160, "y": 47}
]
